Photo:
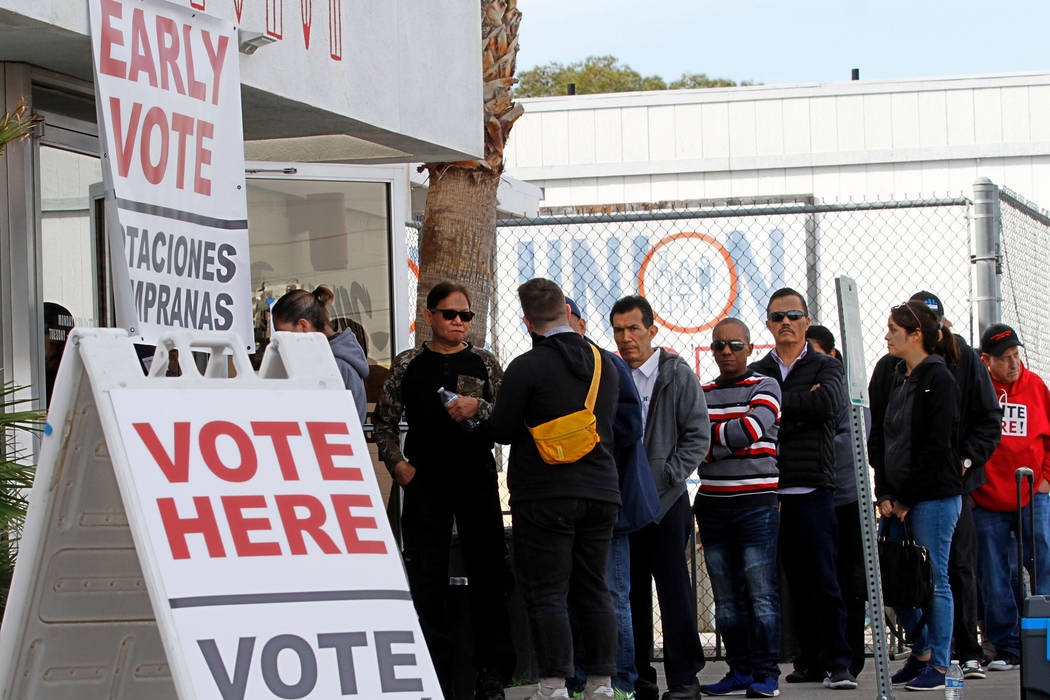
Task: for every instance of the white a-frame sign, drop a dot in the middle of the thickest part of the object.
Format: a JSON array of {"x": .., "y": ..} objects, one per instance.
[{"x": 205, "y": 536}]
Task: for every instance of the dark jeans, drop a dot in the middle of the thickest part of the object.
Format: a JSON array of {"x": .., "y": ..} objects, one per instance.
[
  {"x": 560, "y": 550},
  {"x": 431, "y": 502},
  {"x": 998, "y": 569},
  {"x": 658, "y": 554},
  {"x": 807, "y": 550},
  {"x": 740, "y": 546},
  {"x": 962, "y": 576},
  {"x": 852, "y": 584}
]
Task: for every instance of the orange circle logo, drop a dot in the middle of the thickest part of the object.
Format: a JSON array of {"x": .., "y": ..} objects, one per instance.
[{"x": 692, "y": 281}]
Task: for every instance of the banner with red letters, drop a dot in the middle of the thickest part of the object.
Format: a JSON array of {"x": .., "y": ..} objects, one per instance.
[
  {"x": 262, "y": 516},
  {"x": 167, "y": 86}
]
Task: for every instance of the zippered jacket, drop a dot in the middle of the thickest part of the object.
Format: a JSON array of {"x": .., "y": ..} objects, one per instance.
[{"x": 677, "y": 432}]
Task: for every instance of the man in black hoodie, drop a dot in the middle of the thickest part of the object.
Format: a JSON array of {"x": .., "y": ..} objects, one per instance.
[
  {"x": 811, "y": 388},
  {"x": 563, "y": 513},
  {"x": 979, "y": 432}
]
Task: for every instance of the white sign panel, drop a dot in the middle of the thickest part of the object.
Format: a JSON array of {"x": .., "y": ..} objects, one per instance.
[
  {"x": 261, "y": 519},
  {"x": 167, "y": 83}
]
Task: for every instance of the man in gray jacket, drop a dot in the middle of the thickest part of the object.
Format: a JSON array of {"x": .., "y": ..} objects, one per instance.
[{"x": 677, "y": 437}]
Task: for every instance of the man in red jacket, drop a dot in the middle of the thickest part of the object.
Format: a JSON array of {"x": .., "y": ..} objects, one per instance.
[{"x": 1025, "y": 438}]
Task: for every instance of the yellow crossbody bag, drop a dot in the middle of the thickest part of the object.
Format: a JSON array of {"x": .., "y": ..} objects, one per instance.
[{"x": 570, "y": 438}]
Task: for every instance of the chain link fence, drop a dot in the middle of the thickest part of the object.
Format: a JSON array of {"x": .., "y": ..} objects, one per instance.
[
  {"x": 704, "y": 261},
  {"x": 1024, "y": 255}
]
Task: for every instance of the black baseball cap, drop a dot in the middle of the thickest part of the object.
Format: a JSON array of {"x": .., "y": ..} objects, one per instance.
[
  {"x": 998, "y": 339},
  {"x": 573, "y": 309},
  {"x": 931, "y": 300}
]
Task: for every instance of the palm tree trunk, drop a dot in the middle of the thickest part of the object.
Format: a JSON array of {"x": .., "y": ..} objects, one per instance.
[{"x": 457, "y": 241}]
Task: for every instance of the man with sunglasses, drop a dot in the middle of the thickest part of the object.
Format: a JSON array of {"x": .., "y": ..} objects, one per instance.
[
  {"x": 736, "y": 514},
  {"x": 811, "y": 388},
  {"x": 449, "y": 472},
  {"x": 676, "y": 436}
]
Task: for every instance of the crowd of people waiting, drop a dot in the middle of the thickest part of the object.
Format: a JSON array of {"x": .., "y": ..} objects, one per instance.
[{"x": 601, "y": 447}]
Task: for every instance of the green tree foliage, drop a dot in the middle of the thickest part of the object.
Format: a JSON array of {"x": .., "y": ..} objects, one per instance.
[
  {"x": 16, "y": 476},
  {"x": 601, "y": 74}
]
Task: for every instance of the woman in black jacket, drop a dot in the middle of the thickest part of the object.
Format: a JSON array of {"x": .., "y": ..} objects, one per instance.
[{"x": 918, "y": 477}]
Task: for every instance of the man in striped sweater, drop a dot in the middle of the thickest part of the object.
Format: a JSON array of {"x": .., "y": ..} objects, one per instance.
[{"x": 736, "y": 512}]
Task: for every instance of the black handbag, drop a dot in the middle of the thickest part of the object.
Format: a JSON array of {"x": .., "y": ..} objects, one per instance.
[{"x": 907, "y": 574}]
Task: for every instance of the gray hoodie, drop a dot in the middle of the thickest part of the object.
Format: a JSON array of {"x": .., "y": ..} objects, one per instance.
[{"x": 350, "y": 359}]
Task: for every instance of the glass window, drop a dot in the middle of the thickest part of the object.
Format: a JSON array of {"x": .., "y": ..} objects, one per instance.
[
  {"x": 69, "y": 252},
  {"x": 306, "y": 233}
]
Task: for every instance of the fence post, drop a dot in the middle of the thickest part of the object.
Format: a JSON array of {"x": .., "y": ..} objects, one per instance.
[{"x": 987, "y": 227}]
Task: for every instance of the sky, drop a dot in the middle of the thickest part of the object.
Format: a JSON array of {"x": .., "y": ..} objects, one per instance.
[{"x": 791, "y": 41}]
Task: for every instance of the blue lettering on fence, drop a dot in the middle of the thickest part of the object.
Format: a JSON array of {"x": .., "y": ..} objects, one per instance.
[{"x": 597, "y": 281}]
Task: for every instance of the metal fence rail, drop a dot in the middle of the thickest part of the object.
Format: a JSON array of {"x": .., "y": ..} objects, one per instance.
[{"x": 1025, "y": 261}]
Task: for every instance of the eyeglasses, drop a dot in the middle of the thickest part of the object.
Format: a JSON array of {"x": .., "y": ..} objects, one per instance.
[
  {"x": 793, "y": 315},
  {"x": 734, "y": 345},
  {"x": 449, "y": 314}
]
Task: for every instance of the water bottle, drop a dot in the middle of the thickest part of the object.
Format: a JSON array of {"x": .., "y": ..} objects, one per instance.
[
  {"x": 447, "y": 397},
  {"x": 953, "y": 682}
]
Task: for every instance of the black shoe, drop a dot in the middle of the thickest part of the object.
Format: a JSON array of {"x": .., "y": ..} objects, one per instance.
[
  {"x": 840, "y": 679},
  {"x": 488, "y": 687},
  {"x": 681, "y": 692},
  {"x": 646, "y": 690},
  {"x": 802, "y": 675},
  {"x": 1004, "y": 661}
]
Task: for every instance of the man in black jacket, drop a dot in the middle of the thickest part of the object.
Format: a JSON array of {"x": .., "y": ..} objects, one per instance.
[
  {"x": 811, "y": 387},
  {"x": 563, "y": 513},
  {"x": 979, "y": 432}
]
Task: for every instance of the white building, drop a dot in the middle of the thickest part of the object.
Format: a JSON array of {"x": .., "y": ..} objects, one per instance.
[
  {"x": 837, "y": 141},
  {"x": 339, "y": 96},
  {"x": 862, "y": 141}
]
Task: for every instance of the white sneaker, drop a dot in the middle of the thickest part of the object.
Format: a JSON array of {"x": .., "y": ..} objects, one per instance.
[
  {"x": 559, "y": 693},
  {"x": 601, "y": 692}
]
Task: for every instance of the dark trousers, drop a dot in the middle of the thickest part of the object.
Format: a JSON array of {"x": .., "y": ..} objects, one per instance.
[
  {"x": 561, "y": 547},
  {"x": 852, "y": 584},
  {"x": 658, "y": 554},
  {"x": 807, "y": 550},
  {"x": 740, "y": 547},
  {"x": 472, "y": 498},
  {"x": 962, "y": 576}
]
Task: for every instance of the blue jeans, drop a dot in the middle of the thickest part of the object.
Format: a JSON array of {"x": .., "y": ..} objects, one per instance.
[
  {"x": 740, "y": 546},
  {"x": 618, "y": 579},
  {"x": 997, "y": 566},
  {"x": 932, "y": 524}
]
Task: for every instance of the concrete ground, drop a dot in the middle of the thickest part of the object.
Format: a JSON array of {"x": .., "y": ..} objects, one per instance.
[{"x": 997, "y": 686}]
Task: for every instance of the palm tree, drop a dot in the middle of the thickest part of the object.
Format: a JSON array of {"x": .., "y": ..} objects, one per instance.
[
  {"x": 16, "y": 475},
  {"x": 16, "y": 124},
  {"x": 457, "y": 241}
]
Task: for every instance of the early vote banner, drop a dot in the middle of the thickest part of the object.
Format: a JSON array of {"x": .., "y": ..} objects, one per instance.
[{"x": 167, "y": 83}]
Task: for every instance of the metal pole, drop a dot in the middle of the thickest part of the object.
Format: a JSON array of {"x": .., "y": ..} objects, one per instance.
[
  {"x": 987, "y": 227},
  {"x": 856, "y": 386}
]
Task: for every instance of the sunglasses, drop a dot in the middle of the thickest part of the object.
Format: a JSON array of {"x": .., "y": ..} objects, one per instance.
[
  {"x": 449, "y": 314},
  {"x": 734, "y": 345},
  {"x": 793, "y": 315}
]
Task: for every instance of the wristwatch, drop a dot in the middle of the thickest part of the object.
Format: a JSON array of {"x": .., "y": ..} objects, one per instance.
[{"x": 967, "y": 463}]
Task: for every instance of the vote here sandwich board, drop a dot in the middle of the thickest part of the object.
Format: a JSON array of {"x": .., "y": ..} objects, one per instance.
[
  {"x": 238, "y": 518},
  {"x": 167, "y": 91}
]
